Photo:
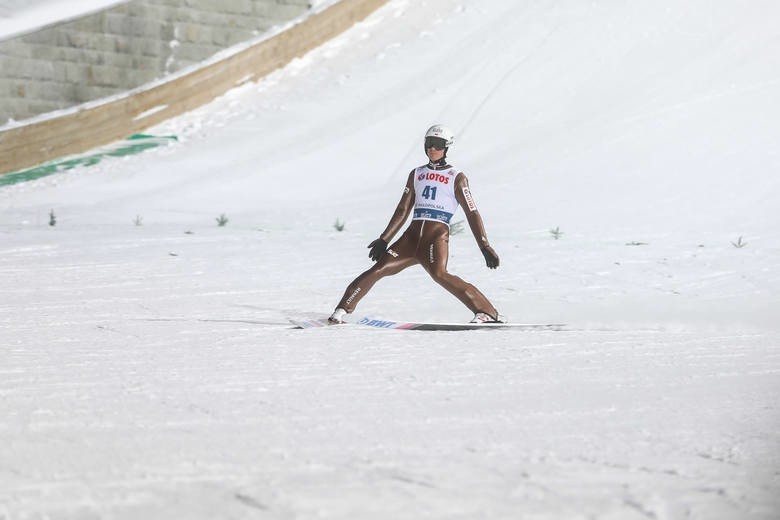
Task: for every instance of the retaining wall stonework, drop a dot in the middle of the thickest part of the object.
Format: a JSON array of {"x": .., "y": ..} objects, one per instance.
[
  {"x": 123, "y": 47},
  {"x": 99, "y": 123}
]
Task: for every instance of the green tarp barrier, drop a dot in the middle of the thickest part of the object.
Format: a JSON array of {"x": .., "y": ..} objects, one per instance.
[{"x": 134, "y": 144}]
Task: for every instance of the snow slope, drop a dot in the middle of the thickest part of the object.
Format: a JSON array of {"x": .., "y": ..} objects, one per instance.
[
  {"x": 147, "y": 370},
  {"x": 22, "y": 16}
]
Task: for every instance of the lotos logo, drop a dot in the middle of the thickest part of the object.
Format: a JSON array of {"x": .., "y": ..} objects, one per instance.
[
  {"x": 469, "y": 199},
  {"x": 433, "y": 176}
]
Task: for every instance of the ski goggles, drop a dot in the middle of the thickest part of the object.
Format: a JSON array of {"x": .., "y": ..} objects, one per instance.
[{"x": 436, "y": 143}]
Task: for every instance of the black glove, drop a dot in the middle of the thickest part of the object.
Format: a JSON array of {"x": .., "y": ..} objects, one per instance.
[
  {"x": 491, "y": 258},
  {"x": 378, "y": 248}
]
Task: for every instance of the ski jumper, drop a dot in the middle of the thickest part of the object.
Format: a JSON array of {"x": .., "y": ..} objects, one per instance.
[{"x": 434, "y": 193}]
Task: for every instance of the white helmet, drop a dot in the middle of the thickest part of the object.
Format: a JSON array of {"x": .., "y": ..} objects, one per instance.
[{"x": 441, "y": 132}]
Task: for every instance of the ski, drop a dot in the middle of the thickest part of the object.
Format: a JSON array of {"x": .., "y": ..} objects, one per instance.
[
  {"x": 405, "y": 325},
  {"x": 313, "y": 323},
  {"x": 386, "y": 324}
]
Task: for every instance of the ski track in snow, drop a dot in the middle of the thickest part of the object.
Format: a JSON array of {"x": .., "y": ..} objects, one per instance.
[{"x": 150, "y": 371}]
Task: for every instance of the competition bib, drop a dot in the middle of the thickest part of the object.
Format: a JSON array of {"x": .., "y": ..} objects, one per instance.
[{"x": 434, "y": 194}]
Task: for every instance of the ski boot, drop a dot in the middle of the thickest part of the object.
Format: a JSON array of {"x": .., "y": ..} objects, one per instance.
[
  {"x": 337, "y": 317},
  {"x": 483, "y": 317}
]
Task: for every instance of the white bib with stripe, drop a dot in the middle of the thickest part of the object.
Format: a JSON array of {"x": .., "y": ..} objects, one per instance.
[{"x": 434, "y": 194}]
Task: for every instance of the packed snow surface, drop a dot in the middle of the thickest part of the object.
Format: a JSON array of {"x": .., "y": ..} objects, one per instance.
[{"x": 147, "y": 369}]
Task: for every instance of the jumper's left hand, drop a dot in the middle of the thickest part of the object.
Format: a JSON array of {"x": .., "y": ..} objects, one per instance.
[
  {"x": 491, "y": 258},
  {"x": 378, "y": 248}
]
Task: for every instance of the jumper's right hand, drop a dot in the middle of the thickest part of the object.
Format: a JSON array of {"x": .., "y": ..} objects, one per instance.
[
  {"x": 378, "y": 248},
  {"x": 491, "y": 258}
]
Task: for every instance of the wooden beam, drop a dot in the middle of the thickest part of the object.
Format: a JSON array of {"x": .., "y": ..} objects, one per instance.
[{"x": 98, "y": 123}]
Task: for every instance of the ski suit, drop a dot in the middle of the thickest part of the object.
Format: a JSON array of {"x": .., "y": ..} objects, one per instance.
[{"x": 434, "y": 192}]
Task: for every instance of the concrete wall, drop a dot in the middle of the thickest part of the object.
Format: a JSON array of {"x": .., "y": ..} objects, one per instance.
[
  {"x": 124, "y": 47},
  {"x": 104, "y": 122}
]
